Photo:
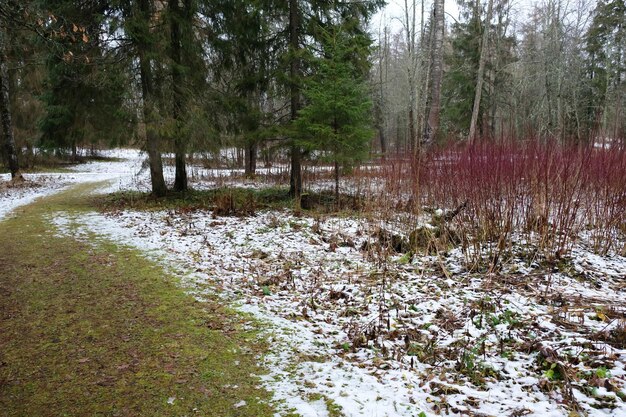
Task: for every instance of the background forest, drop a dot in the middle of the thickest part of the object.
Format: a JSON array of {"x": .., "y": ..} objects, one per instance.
[
  {"x": 304, "y": 80},
  {"x": 420, "y": 214}
]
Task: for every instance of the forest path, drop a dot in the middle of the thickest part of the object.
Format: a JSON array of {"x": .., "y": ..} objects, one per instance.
[{"x": 91, "y": 328}]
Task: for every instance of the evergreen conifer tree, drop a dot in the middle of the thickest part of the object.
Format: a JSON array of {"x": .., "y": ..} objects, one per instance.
[
  {"x": 606, "y": 49},
  {"x": 336, "y": 118}
]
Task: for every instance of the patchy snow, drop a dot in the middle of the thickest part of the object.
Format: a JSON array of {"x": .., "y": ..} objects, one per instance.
[
  {"x": 378, "y": 336},
  {"x": 122, "y": 174},
  {"x": 359, "y": 330},
  {"x": 12, "y": 198}
]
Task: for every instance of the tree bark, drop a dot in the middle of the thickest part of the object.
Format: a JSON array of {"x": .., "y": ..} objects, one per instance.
[
  {"x": 410, "y": 29},
  {"x": 337, "y": 183},
  {"x": 147, "y": 89},
  {"x": 180, "y": 179},
  {"x": 295, "y": 177},
  {"x": 8, "y": 141},
  {"x": 383, "y": 63},
  {"x": 250, "y": 159},
  {"x": 437, "y": 71},
  {"x": 481, "y": 72}
]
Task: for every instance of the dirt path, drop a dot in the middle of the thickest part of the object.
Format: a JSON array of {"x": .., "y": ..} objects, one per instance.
[{"x": 90, "y": 328}]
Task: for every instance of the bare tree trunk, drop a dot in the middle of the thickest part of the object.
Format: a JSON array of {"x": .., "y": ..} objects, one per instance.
[
  {"x": 175, "y": 17},
  {"x": 383, "y": 64},
  {"x": 427, "y": 72},
  {"x": 147, "y": 89},
  {"x": 493, "y": 111},
  {"x": 481, "y": 72},
  {"x": 412, "y": 131},
  {"x": 383, "y": 141},
  {"x": 410, "y": 29},
  {"x": 337, "y": 183},
  {"x": 425, "y": 69},
  {"x": 437, "y": 71},
  {"x": 8, "y": 141},
  {"x": 250, "y": 159},
  {"x": 240, "y": 158},
  {"x": 295, "y": 178}
]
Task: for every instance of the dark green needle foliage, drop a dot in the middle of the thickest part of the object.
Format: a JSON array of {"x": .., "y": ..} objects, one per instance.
[
  {"x": 85, "y": 96},
  {"x": 336, "y": 118},
  {"x": 606, "y": 67}
]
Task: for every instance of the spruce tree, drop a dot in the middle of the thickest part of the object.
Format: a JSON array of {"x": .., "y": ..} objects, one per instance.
[
  {"x": 336, "y": 118},
  {"x": 463, "y": 63},
  {"x": 188, "y": 80},
  {"x": 85, "y": 94},
  {"x": 12, "y": 15},
  {"x": 146, "y": 43},
  {"x": 6, "y": 124},
  {"x": 299, "y": 27},
  {"x": 243, "y": 61},
  {"x": 606, "y": 49}
]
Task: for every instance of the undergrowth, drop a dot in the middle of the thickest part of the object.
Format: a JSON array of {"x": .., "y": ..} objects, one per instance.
[
  {"x": 227, "y": 201},
  {"x": 543, "y": 196}
]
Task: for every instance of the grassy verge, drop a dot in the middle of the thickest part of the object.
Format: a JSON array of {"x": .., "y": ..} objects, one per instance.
[
  {"x": 97, "y": 330},
  {"x": 228, "y": 201}
]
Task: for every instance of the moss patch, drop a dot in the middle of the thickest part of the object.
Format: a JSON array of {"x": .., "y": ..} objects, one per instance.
[{"x": 93, "y": 329}]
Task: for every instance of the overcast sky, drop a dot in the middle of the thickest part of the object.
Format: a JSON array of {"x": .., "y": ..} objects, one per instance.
[{"x": 394, "y": 11}]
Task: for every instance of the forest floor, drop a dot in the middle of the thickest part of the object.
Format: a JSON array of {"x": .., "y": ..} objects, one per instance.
[
  {"x": 351, "y": 330},
  {"x": 88, "y": 327}
]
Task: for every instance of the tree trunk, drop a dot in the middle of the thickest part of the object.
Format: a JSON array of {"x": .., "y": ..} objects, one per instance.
[
  {"x": 268, "y": 155},
  {"x": 410, "y": 29},
  {"x": 180, "y": 179},
  {"x": 250, "y": 159},
  {"x": 383, "y": 141},
  {"x": 175, "y": 17},
  {"x": 481, "y": 72},
  {"x": 412, "y": 129},
  {"x": 337, "y": 184},
  {"x": 383, "y": 63},
  {"x": 398, "y": 133},
  {"x": 437, "y": 71},
  {"x": 8, "y": 140},
  {"x": 147, "y": 90},
  {"x": 295, "y": 177}
]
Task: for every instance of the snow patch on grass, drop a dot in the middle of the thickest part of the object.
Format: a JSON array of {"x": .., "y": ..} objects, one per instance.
[
  {"x": 371, "y": 332},
  {"x": 389, "y": 338}
]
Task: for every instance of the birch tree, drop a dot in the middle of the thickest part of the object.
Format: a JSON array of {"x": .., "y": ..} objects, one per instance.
[
  {"x": 410, "y": 32},
  {"x": 437, "y": 70},
  {"x": 484, "y": 48}
]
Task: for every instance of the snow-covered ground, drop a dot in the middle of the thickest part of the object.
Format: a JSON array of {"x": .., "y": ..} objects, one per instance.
[
  {"x": 371, "y": 333},
  {"x": 123, "y": 174}
]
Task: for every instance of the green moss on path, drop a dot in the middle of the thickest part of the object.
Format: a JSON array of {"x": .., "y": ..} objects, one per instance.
[{"x": 93, "y": 329}]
